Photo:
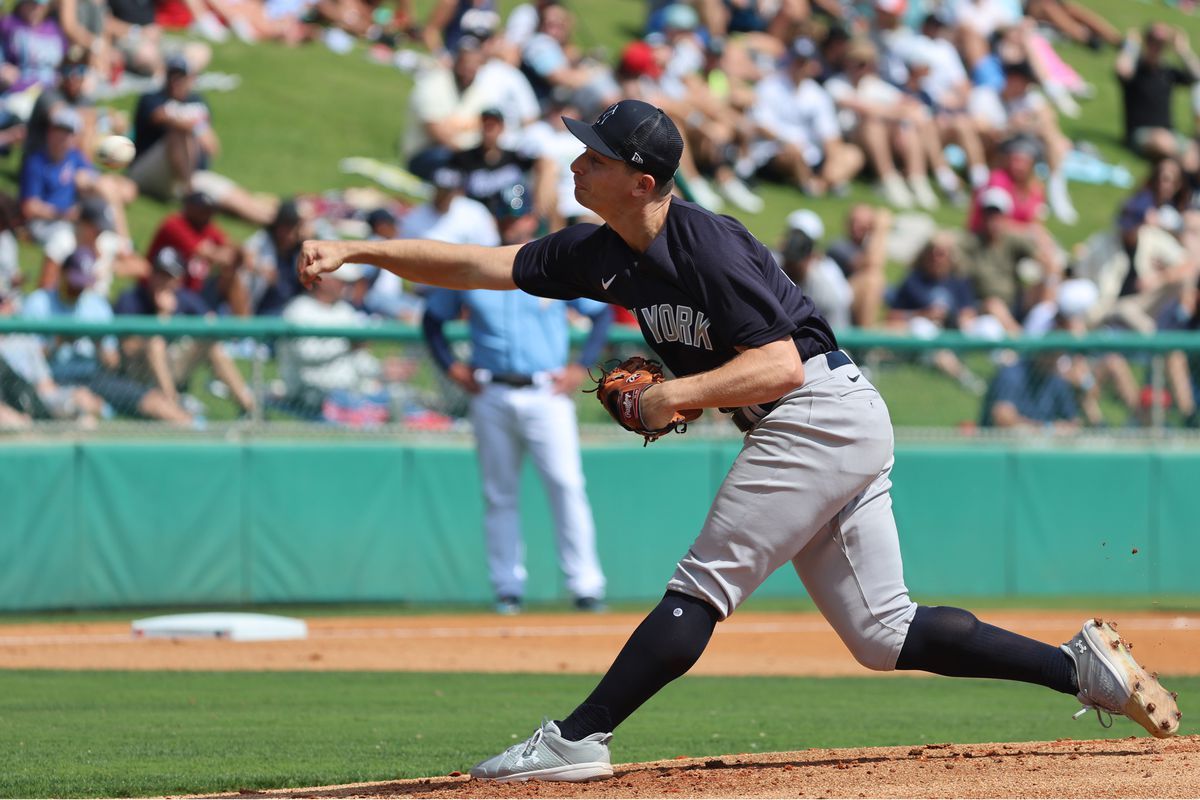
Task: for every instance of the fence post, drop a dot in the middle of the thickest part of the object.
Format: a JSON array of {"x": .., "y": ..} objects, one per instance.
[
  {"x": 1158, "y": 381},
  {"x": 259, "y": 384}
]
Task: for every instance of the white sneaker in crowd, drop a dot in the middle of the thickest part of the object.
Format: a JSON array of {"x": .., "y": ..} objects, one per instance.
[
  {"x": 1060, "y": 201},
  {"x": 895, "y": 191},
  {"x": 211, "y": 28},
  {"x": 922, "y": 190},
  {"x": 704, "y": 194},
  {"x": 740, "y": 195}
]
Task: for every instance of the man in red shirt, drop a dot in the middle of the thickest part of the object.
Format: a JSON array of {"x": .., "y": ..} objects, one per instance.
[{"x": 212, "y": 260}]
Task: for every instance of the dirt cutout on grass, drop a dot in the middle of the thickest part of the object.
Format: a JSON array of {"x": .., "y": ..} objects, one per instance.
[
  {"x": 746, "y": 644},
  {"x": 1133, "y": 767}
]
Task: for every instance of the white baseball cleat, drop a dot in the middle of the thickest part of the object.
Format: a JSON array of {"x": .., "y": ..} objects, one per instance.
[
  {"x": 547, "y": 756},
  {"x": 1111, "y": 681}
]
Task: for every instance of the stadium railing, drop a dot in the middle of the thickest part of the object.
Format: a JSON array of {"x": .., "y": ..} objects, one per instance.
[{"x": 1120, "y": 384}]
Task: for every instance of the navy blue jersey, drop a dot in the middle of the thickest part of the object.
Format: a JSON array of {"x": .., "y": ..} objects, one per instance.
[{"x": 704, "y": 287}]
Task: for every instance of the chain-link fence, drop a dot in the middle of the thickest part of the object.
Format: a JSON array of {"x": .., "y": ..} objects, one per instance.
[{"x": 264, "y": 377}]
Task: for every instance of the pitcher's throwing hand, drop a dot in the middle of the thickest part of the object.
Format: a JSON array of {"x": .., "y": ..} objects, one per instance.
[{"x": 317, "y": 258}]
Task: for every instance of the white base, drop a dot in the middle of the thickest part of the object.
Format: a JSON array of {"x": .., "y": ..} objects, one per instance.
[{"x": 234, "y": 627}]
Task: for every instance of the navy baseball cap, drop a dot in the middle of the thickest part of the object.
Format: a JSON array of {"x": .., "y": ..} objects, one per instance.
[
  {"x": 639, "y": 134},
  {"x": 95, "y": 211},
  {"x": 79, "y": 270}
]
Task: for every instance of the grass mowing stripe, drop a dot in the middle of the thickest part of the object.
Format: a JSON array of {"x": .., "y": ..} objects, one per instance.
[{"x": 72, "y": 734}]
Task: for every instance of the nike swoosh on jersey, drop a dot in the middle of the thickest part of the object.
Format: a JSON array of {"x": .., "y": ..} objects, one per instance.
[
  {"x": 607, "y": 283},
  {"x": 856, "y": 377}
]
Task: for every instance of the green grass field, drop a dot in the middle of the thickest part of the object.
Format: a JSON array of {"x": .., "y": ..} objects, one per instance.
[{"x": 68, "y": 734}]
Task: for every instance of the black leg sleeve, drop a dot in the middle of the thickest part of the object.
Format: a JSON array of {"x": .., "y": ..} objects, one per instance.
[
  {"x": 665, "y": 646},
  {"x": 951, "y": 641}
]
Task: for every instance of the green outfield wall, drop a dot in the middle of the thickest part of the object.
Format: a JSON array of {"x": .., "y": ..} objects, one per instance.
[{"x": 101, "y": 524}]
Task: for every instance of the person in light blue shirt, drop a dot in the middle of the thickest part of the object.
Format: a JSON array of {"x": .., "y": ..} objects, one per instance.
[
  {"x": 521, "y": 380},
  {"x": 84, "y": 361}
]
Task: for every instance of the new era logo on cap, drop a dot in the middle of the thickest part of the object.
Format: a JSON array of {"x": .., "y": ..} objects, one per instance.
[{"x": 634, "y": 132}]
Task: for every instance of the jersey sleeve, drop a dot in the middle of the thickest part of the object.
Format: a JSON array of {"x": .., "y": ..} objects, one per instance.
[{"x": 554, "y": 265}]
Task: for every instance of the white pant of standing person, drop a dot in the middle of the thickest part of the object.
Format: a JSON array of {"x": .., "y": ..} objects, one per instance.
[{"x": 510, "y": 422}]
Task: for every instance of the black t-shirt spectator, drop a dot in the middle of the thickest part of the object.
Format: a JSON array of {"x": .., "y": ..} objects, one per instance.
[
  {"x": 704, "y": 287},
  {"x": 1147, "y": 96},
  {"x": 919, "y": 293},
  {"x": 139, "y": 301},
  {"x": 483, "y": 179},
  {"x": 146, "y": 132},
  {"x": 134, "y": 12}
]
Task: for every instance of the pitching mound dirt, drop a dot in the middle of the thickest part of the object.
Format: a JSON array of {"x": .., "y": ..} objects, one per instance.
[{"x": 1133, "y": 767}]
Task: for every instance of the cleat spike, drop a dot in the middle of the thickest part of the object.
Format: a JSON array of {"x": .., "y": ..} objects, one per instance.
[
  {"x": 1149, "y": 708},
  {"x": 1098, "y": 622}
]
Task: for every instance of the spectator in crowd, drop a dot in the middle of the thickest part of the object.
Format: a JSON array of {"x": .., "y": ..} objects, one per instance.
[
  {"x": 85, "y": 362},
  {"x": 212, "y": 260},
  {"x": 887, "y": 125},
  {"x": 27, "y": 389},
  {"x": 176, "y": 144},
  {"x": 68, "y": 92},
  {"x": 1032, "y": 394},
  {"x": 446, "y": 104},
  {"x": 862, "y": 256},
  {"x": 934, "y": 297},
  {"x": 550, "y": 61},
  {"x": 52, "y": 177},
  {"x": 139, "y": 39},
  {"x": 450, "y": 20},
  {"x": 1162, "y": 271},
  {"x": 1147, "y": 81},
  {"x": 171, "y": 364},
  {"x": 1076, "y": 21},
  {"x": 801, "y": 121},
  {"x": 55, "y": 178},
  {"x": 267, "y": 273},
  {"x": 719, "y": 133},
  {"x": 331, "y": 378},
  {"x": 816, "y": 273},
  {"x": 550, "y": 139},
  {"x": 1016, "y": 176},
  {"x": 1008, "y": 273},
  {"x": 521, "y": 383},
  {"x": 935, "y": 130},
  {"x": 85, "y": 25},
  {"x": 1018, "y": 108},
  {"x": 450, "y": 216},
  {"x": 490, "y": 168},
  {"x": 32, "y": 44},
  {"x": 94, "y": 229}
]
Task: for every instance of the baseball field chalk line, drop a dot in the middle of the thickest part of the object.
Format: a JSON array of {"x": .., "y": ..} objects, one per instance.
[{"x": 732, "y": 628}]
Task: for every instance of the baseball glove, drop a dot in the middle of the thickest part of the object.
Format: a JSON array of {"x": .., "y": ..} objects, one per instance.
[{"x": 620, "y": 389}]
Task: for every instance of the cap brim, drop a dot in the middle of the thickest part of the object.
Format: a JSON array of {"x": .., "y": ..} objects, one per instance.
[{"x": 584, "y": 133}]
